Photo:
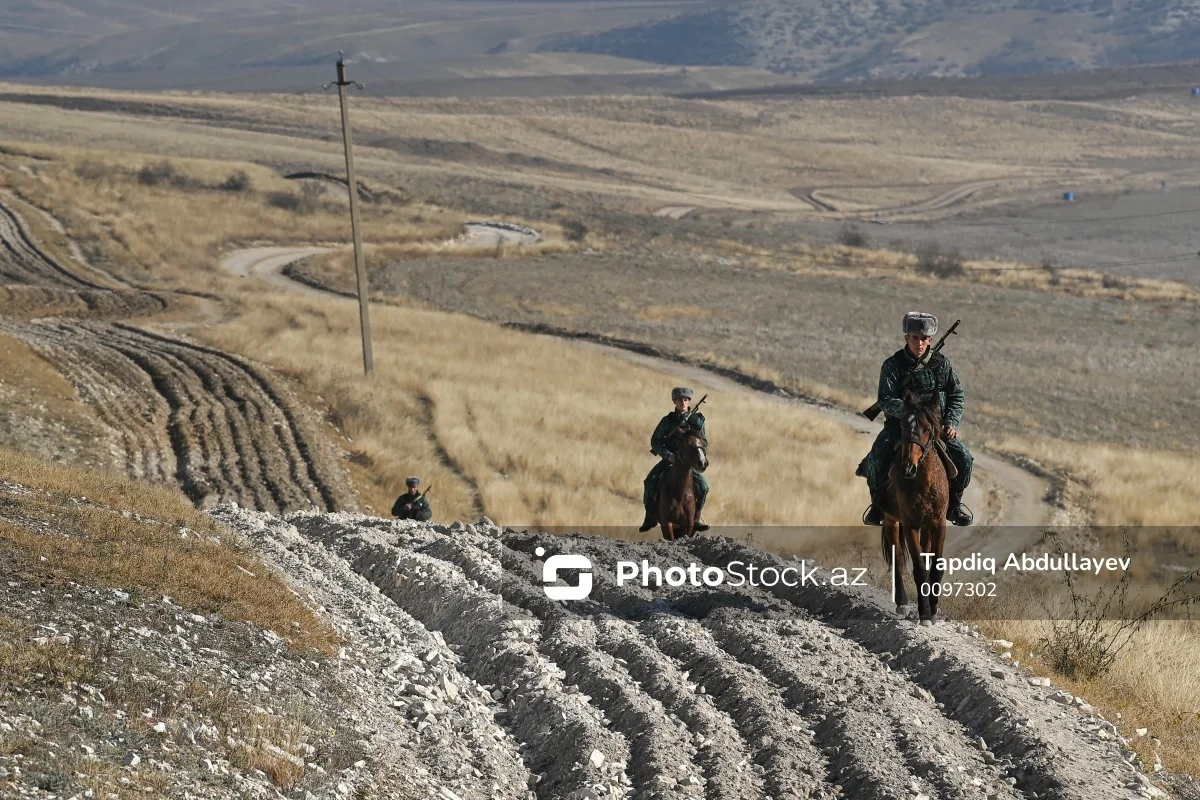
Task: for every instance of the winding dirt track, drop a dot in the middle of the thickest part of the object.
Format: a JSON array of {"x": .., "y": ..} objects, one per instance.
[
  {"x": 785, "y": 692},
  {"x": 1002, "y": 495},
  {"x": 220, "y": 426}
]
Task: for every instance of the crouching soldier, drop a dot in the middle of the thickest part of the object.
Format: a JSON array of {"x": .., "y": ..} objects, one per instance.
[
  {"x": 412, "y": 504},
  {"x": 915, "y": 367},
  {"x": 663, "y": 442}
]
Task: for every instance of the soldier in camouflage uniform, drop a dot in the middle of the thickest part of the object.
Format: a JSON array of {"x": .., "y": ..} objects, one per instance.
[
  {"x": 663, "y": 443},
  {"x": 900, "y": 372},
  {"x": 412, "y": 504}
]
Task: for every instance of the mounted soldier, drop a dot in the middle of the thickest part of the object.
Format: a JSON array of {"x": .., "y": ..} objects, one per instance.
[
  {"x": 664, "y": 443},
  {"x": 921, "y": 370},
  {"x": 413, "y": 504}
]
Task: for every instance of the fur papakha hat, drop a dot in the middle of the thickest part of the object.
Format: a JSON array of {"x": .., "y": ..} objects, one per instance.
[
  {"x": 681, "y": 391},
  {"x": 919, "y": 323},
  {"x": 411, "y": 481}
]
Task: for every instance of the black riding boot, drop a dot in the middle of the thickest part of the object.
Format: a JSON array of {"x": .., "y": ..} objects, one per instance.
[
  {"x": 700, "y": 524},
  {"x": 650, "y": 521},
  {"x": 874, "y": 513},
  {"x": 956, "y": 512}
]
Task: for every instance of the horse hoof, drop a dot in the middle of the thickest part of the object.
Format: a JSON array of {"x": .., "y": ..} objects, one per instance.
[{"x": 926, "y": 623}]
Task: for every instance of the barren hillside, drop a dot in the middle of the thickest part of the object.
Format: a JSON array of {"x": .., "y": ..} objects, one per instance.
[{"x": 893, "y": 38}]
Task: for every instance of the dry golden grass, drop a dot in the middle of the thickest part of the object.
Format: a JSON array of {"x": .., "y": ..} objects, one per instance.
[
  {"x": 171, "y": 235},
  {"x": 642, "y": 152},
  {"x": 863, "y": 262},
  {"x": 130, "y": 535},
  {"x": 1155, "y": 681},
  {"x": 1154, "y": 684},
  {"x": 1126, "y": 486},
  {"x": 532, "y": 430}
]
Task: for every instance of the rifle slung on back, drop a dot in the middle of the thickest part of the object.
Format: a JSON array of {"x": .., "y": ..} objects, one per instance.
[{"x": 873, "y": 412}]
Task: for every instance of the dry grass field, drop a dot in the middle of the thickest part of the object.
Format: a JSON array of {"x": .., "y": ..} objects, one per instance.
[
  {"x": 1093, "y": 380},
  {"x": 136, "y": 536},
  {"x": 459, "y": 402}
]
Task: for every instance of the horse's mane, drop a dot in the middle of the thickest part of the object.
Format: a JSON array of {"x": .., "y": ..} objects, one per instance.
[{"x": 930, "y": 403}]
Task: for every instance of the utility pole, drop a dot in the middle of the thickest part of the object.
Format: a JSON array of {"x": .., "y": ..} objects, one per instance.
[{"x": 360, "y": 267}]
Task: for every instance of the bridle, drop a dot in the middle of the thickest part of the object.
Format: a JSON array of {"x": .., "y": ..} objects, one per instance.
[
  {"x": 701, "y": 445},
  {"x": 911, "y": 437}
]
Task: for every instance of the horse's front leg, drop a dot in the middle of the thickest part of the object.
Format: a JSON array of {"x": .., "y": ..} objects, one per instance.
[
  {"x": 937, "y": 542},
  {"x": 891, "y": 538},
  {"x": 920, "y": 573},
  {"x": 668, "y": 531}
]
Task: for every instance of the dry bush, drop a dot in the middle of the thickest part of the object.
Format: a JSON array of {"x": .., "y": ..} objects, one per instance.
[
  {"x": 237, "y": 181},
  {"x": 574, "y": 230},
  {"x": 164, "y": 173},
  {"x": 130, "y": 535},
  {"x": 852, "y": 236},
  {"x": 932, "y": 260}
]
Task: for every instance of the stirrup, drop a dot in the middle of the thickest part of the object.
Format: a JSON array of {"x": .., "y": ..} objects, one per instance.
[
  {"x": 965, "y": 511},
  {"x": 700, "y": 525},
  {"x": 867, "y": 513}
]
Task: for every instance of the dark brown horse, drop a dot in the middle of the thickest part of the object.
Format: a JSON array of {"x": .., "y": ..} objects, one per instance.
[
  {"x": 915, "y": 500},
  {"x": 676, "y": 499}
]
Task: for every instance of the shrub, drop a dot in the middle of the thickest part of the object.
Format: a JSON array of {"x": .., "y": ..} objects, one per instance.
[
  {"x": 932, "y": 260},
  {"x": 164, "y": 173},
  {"x": 574, "y": 230},
  {"x": 1051, "y": 268},
  {"x": 852, "y": 236},
  {"x": 1085, "y": 643},
  {"x": 237, "y": 181},
  {"x": 287, "y": 201},
  {"x": 94, "y": 170}
]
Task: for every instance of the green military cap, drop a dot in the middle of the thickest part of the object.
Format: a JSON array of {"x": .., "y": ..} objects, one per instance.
[
  {"x": 681, "y": 391},
  {"x": 919, "y": 323},
  {"x": 411, "y": 481}
]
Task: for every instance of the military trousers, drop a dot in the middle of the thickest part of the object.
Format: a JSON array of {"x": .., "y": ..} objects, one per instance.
[
  {"x": 877, "y": 463},
  {"x": 651, "y": 484}
]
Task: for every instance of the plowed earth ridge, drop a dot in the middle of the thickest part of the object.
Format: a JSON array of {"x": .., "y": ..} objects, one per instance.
[
  {"x": 728, "y": 692},
  {"x": 220, "y": 426}
]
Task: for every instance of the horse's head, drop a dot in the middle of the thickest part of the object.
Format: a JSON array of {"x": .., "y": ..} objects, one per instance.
[
  {"x": 922, "y": 426},
  {"x": 693, "y": 451}
]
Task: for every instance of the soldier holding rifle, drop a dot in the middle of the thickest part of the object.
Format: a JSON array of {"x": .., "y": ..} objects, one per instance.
[{"x": 921, "y": 369}]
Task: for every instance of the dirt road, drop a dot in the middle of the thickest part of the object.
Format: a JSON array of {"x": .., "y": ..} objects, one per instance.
[{"x": 1008, "y": 501}]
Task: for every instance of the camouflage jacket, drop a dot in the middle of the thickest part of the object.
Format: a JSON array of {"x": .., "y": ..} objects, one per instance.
[
  {"x": 412, "y": 506},
  {"x": 936, "y": 376},
  {"x": 662, "y": 441}
]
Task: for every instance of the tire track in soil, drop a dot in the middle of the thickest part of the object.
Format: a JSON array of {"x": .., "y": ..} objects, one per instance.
[
  {"x": 1048, "y": 753},
  {"x": 445, "y": 749},
  {"x": 720, "y": 751},
  {"x": 499, "y": 645},
  {"x": 662, "y": 762},
  {"x": 429, "y": 420},
  {"x": 220, "y": 426},
  {"x": 818, "y": 692}
]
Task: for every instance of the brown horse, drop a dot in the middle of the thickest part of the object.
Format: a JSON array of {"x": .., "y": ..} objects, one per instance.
[
  {"x": 676, "y": 499},
  {"x": 915, "y": 500}
]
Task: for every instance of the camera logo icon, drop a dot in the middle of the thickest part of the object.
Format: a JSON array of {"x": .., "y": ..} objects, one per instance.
[{"x": 566, "y": 561}]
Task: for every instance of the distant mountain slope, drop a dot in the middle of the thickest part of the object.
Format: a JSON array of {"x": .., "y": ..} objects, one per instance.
[{"x": 842, "y": 39}]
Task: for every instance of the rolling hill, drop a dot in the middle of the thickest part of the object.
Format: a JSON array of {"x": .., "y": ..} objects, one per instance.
[
  {"x": 139, "y": 43},
  {"x": 851, "y": 39}
]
